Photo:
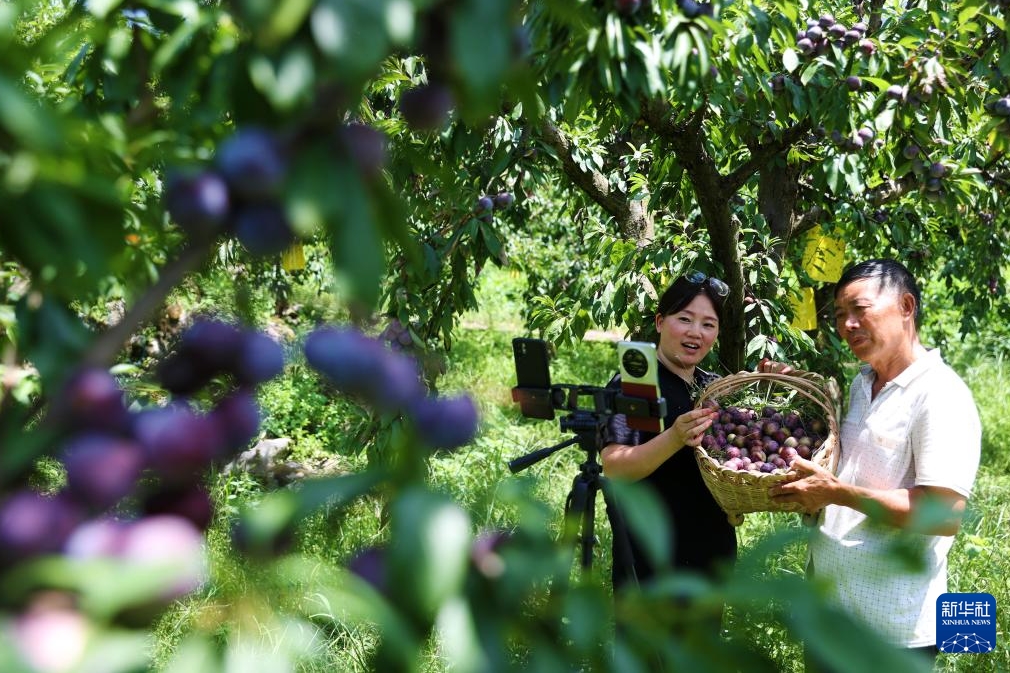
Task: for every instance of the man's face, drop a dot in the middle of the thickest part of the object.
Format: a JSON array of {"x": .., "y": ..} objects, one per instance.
[{"x": 873, "y": 318}]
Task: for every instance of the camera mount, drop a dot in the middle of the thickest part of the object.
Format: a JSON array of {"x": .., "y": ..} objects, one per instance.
[{"x": 589, "y": 421}]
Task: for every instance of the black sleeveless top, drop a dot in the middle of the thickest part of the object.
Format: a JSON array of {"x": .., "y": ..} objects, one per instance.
[{"x": 702, "y": 537}]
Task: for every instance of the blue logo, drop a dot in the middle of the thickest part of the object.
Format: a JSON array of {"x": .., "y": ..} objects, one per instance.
[{"x": 966, "y": 623}]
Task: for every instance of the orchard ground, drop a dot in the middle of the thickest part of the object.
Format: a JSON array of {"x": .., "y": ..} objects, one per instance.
[{"x": 244, "y": 598}]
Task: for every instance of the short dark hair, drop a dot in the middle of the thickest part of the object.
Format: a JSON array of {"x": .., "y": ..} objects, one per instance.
[
  {"x": 891, "y": 274},
  {"x": 682, "y": 292}
]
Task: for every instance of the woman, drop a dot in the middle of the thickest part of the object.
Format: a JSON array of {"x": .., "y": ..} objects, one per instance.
[{"x": 687, "y": 321}]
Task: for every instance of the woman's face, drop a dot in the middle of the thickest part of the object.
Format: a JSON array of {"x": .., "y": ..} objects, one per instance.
[{"x": 686, "y": 337}]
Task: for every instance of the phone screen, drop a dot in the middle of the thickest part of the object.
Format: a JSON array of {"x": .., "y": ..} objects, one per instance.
[{"x": 533, "y": 378}]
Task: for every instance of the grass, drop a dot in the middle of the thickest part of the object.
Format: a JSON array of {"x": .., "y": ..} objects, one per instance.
[{"x": 292, "y": 611}]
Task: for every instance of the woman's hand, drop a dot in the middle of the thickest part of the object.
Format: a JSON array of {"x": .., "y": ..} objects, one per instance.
[
  {"x": 637, "y": 462},
  {"x": 690, "y": 427}
]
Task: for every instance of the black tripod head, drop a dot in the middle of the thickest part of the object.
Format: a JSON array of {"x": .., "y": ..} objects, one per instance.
[{"x": 587, "y": 422}]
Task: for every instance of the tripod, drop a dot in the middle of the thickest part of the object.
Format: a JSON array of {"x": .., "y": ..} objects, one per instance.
[{"x": 580, "y": 505}]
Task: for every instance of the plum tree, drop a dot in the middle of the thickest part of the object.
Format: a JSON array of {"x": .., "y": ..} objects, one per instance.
[{"x": 641, "y": 139}]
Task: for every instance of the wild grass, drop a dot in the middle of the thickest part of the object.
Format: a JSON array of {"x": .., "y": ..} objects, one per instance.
[{"x": 988, "y": 380}]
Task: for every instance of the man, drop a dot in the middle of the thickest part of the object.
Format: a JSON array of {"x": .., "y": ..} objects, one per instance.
[{"x": 911, "y": 436}]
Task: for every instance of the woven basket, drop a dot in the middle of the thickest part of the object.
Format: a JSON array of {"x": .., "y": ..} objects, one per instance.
[{"x": 739, "y": 492}]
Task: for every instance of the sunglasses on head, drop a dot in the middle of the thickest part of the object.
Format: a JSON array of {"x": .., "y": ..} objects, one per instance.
[{"x": 717, "y": 286}]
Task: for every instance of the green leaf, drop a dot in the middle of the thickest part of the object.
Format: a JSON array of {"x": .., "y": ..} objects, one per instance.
[
  {"x": 585, "y": 627},
  {"x": 881, "y": 84},
  {"x": 464, "y": 651},
  {"x": 968, "y": 13},
  {"x": 857, "y": 646},
  {"x": 288, "y": 17},
  {"x": 682, "y": 46},
  {"x": 757, "y": 345},
  {"x": 790, "y": 60},
  {"x": 348, "y": 215},
  {"x": 355, "y": 242},
  {"x": 101, "y": 8},
  {"x": 645, "y": 520},
  {"x": 429, "y": 560},
  {"x": 29, "y": 122},
  {"x": 491, "y": 240},
  {"x": 195, "y": 653},
  {"x": 481, "y": 47},
  {"x": 853, "y": 179},
  {"x": 832, "y": 174},
  {"x": 352, "y": 32},
  {"x": 286, "y": 82},
  {"x": 884, "y": 120},
  {"x": 400, "y": 20},
  {"x": 809, "y": 72},
  {"x": 173, "y": 48},
  {"x": 996, "y": 21},
  {"x": 651, "y": 59}
]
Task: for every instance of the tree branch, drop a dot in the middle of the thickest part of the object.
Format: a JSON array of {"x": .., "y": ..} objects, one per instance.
[
  {"x": 104, "y": 349},
  {"x": 762, "y": 154},
  {"x": 632, "y": 218},
  {"x": 807, "y": 220},
  {"x": 876, "y": 8},
  {"x": 688, "y": 144}
]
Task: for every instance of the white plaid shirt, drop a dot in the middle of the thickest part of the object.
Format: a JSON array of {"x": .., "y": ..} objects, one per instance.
[{"x": 921, "y": 430}]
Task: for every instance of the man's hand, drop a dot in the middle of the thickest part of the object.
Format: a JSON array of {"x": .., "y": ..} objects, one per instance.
[
  {"x": 808, "y": 484},
  {"x": 771, "y": 366},
  {"x": 930, "y": 510}
]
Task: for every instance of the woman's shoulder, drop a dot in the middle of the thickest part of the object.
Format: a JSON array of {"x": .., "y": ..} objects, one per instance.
[{"x": 703, "y": 378}]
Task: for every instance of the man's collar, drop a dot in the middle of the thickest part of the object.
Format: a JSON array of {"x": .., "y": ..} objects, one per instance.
[{"x": 909, "y": 373}]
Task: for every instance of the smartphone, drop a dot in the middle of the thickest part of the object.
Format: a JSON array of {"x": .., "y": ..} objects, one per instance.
[
  {"x": 533, "y": 378},
  {"x": 640, "y": 379}
]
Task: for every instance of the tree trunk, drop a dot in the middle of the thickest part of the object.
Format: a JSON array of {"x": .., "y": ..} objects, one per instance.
[
  {"x": 688, "y": 144},
  {"x": 778, "y": 191}
]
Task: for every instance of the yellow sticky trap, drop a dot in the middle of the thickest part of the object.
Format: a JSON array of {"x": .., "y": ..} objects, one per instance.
[
  {"x": 804, "y": 310},
  {"x": 824, "y": 258},
  {"x": 293, "y": 258}
]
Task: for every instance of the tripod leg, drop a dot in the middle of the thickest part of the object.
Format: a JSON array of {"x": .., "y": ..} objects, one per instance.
[
  {"x": 589, "y": 525},
  {"x": 578, "y": 507}
]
